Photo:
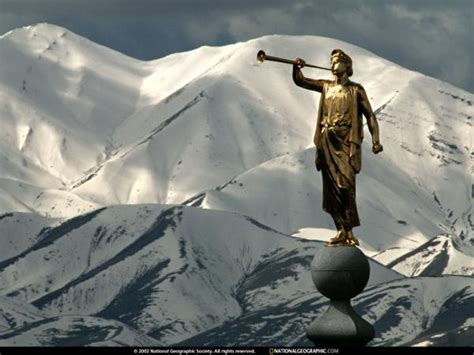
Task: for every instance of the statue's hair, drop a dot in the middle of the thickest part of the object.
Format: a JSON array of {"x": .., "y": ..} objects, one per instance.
[{"x": 345, "y": 58}]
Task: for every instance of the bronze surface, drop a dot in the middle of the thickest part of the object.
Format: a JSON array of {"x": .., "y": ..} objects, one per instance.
[{"x": 338, "y": 137}]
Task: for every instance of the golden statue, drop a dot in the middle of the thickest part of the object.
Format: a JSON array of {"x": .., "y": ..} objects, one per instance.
[{"x": 338, "y": 138}]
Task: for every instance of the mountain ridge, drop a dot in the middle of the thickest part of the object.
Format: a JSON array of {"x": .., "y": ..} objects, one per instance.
[{"x": 101, "y": 153}]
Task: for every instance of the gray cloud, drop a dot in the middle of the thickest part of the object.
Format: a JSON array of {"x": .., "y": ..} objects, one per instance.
[{"x": 433, "y": 37}]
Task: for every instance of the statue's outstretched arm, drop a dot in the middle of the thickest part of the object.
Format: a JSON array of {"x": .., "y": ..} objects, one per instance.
[
  {"x": 310, "y": 84},
  {"x": 371, "y": 120}
]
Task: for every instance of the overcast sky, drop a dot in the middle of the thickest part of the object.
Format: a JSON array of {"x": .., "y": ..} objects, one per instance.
[{"x": 434, "y": 37}]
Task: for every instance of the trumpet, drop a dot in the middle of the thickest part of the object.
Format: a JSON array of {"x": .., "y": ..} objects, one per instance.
[{"x": 261, "y": 57}]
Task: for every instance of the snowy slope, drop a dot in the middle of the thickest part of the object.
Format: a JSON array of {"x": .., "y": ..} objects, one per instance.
[
  {"x": 122, "y": 131},
  {"x": 404, "y": 312},
  {"x": 155, "y": 258},
  {"x": 99, "y": 150},
  {"x": 76, "y": 331},
  {"x": 420, "y": 307},
  {"x": 438, "y": 256},
  {"x": 402, "y": 201},
  {"x": 296, "y": 203},
  {"x": 14, "y": 314},
  {"x": 19, "y": 231}
]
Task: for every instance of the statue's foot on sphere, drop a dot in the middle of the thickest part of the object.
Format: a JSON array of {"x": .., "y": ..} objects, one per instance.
[
  {"x": 339, "y": 239},
  {"x": 353, "y": 241},
  {"x": 339, "y": 244}
]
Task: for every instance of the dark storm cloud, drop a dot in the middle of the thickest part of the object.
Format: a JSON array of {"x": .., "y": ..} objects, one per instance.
[{"x": 433, "y": 37}]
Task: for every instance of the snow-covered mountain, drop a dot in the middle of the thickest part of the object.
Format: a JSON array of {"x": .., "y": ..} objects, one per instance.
[
  {"x": 170, "y": 272},
  {"x": 76, "y": 331},
  {"x": 127, "y": 185},
  {"x": 437, "y": 257},
  {"x": 16, "y": 314},
  {"x": 415, "y": 311},
  {"x": 121, "y": 131},
  {"x": 141, "y": 266}
]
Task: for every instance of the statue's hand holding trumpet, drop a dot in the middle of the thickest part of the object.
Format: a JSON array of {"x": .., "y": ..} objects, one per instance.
[{"x": 300, "y": 63}]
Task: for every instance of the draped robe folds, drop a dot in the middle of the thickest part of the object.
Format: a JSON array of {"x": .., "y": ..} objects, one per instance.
[{"x": 338, "y": 153}]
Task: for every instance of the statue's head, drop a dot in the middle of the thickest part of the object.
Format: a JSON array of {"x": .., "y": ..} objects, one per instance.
[{"x": 340, "y": 63}]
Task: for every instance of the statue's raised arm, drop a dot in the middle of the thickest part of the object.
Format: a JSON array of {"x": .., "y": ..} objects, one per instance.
[{"x": 301, "y": 80}]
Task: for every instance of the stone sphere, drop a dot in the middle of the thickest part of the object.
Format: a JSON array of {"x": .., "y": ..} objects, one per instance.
[{"x": 340, "y": 273}]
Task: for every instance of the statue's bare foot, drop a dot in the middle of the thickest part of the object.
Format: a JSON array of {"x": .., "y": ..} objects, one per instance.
[
  {"x": 338, "y": 239},
  {"x": 354, "y": 242},
  {"x": 351, "y": 240}
]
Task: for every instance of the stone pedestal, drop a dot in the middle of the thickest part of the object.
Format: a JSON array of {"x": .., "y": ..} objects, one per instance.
[{"x": 340, "y": 273}]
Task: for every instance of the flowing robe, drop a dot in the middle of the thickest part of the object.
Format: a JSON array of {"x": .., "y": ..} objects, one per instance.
[{"x": 338, "y": 138}]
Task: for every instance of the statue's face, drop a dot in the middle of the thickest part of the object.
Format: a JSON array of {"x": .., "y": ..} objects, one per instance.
[{"x": 338, "y": 67}]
